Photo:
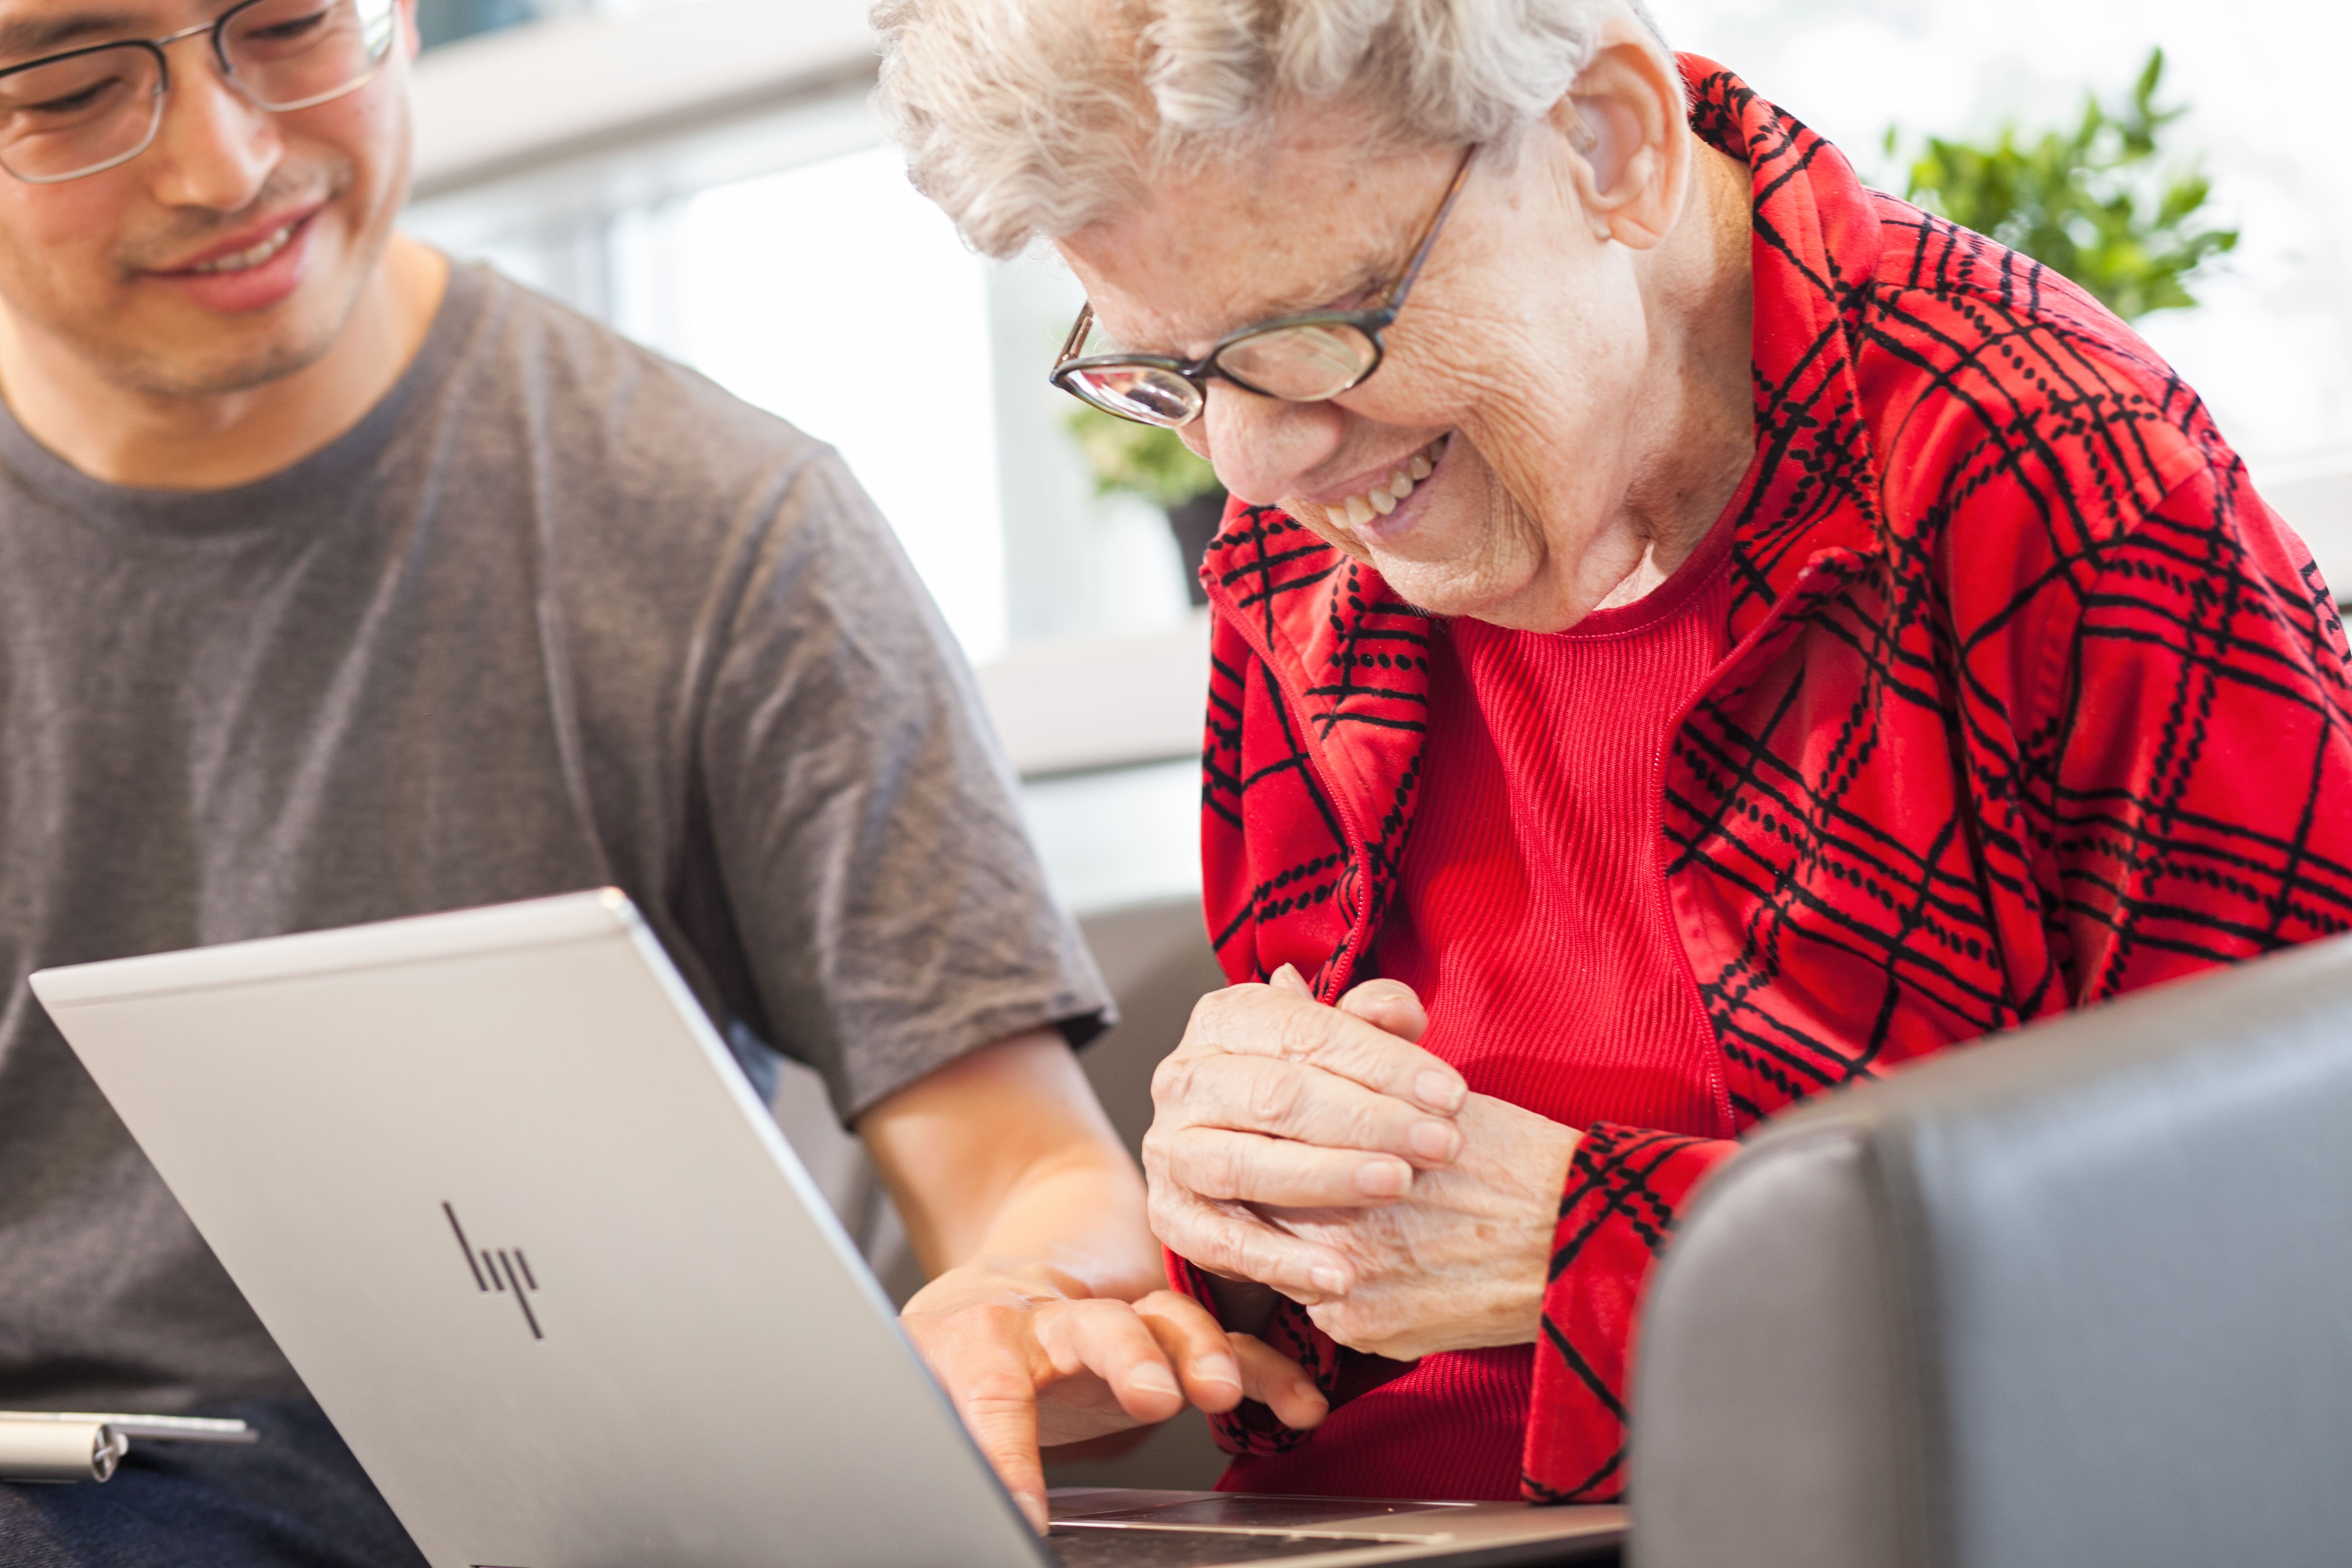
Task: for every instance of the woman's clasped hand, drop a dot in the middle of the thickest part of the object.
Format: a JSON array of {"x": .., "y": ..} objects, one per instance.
[{"x": 1319, "y": 1152}]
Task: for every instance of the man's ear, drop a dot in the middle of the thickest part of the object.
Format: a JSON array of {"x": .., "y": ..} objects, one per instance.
[{"x": 1623, "y": 118}]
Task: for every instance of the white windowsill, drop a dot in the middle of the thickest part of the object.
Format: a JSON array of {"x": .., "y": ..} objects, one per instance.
[{"x": 1081, "y": 704}]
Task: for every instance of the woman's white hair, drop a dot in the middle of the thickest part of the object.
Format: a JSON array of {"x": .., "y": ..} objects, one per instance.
[{"x": 1027, "y": 117}]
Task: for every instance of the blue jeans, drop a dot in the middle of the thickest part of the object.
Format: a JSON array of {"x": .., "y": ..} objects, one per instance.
[{"x": 295, "y": 1500}]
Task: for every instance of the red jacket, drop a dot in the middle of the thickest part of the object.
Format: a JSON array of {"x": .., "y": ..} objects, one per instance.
[{"x": 2031, "y": 700}]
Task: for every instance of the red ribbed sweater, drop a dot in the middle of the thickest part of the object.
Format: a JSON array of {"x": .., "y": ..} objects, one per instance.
[{"x": 1531, "y": 919}]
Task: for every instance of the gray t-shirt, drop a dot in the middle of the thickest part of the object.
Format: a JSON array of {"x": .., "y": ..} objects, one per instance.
[{"x": 557, "y": 614}]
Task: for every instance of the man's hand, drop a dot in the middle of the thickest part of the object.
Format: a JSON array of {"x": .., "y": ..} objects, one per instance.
[
  {"x": 1020, "y": 1201},
  {"x": 1028, "y": 1371},
  {"x": 1320, "y": 1151}
]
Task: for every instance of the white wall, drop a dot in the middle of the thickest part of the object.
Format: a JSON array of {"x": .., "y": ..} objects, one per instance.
[{"x": 602, "y": 77}]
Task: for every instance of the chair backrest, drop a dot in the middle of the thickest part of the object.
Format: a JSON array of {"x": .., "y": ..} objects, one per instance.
[{"x": 2079, "y": 1296}]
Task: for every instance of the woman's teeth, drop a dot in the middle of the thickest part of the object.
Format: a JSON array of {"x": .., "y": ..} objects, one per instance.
[
  {"x": 1382, "y": 498},
  {"x": 249, "y": 258}
]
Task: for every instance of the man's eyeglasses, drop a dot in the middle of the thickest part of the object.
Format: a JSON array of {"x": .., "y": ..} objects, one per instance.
[
  {"x": 74, "y": 113},
  {"x": 1299, "y": 359}
]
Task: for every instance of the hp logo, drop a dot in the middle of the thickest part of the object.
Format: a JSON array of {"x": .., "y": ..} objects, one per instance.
[{"x": 506, "y": 1271}]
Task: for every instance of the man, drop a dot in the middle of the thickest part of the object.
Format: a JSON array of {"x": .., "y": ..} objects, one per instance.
[{"x": 338, "y": 584}]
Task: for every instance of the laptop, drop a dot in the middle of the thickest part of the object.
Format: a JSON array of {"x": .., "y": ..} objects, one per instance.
[{"x": 496, "y": 1188}]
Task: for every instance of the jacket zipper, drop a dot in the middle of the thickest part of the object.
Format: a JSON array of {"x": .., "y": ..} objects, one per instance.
[
  {"x": 1718, "y": 1078},
  {"x": 1773, "y": 618}
]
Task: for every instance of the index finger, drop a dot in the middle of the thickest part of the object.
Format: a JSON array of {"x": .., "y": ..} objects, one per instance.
[
  {"x": 977, "y": 1354},
  {"x": 1265, "y": 1021},
  {"x": 999, "y": 1406}
]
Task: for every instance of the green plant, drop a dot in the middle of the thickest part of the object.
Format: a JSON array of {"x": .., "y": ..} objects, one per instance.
[
  {"x": 2096, "y": 203},
  {"x": 1140, "y": 459}
]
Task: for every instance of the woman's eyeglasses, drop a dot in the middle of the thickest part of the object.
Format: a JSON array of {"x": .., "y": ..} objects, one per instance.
[
  {"x": 74, "y": 113},
  {"x": 1299, "y": 358}
]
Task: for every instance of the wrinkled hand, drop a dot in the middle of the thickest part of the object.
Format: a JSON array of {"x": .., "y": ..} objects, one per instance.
[
  {"x": 1320, "y": 1152},
  {"x": 1031, "y": 1363},
  {"x": 1461, "y": 1261}
]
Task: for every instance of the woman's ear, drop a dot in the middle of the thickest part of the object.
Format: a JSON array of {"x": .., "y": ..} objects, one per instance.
[{"x": 1630, "y": 145}]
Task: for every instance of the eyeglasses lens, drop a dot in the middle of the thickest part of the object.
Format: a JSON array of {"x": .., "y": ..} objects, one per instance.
[
  {"x": 81, "y": 113},
  {"x": 290, "y": 54},
  {"x": 1302, "y": 364},
  {"x": 1144, "y": 393},
  {"x": 92, "y": 109}
]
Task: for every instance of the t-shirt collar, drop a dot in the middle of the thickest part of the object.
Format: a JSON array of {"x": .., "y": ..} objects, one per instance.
[{"x": 286, "y": 496}]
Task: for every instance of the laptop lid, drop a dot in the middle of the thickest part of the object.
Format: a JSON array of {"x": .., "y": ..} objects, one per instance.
[{"x": 494, "y": 1185}]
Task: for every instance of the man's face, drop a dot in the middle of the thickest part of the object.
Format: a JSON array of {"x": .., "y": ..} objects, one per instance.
[{"x": 232, "y": 251}]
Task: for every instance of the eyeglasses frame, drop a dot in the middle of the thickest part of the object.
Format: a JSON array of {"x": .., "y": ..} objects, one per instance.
[
  {"x": 1372, "y": 322},
  {"x": 218, "y": 28}
]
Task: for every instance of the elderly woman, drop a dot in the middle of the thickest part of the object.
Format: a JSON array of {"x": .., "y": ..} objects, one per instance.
[{"x": 1698, "y": 631}]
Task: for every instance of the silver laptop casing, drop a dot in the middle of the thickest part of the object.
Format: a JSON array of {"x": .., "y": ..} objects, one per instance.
[{"x": 658, "y": 1347}]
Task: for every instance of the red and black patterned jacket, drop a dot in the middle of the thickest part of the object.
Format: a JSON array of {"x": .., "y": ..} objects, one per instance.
[{"x": 2031, "y": 700}]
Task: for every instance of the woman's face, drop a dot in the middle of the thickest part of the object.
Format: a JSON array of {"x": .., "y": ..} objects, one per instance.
[{"x": 1514, "y": 379}]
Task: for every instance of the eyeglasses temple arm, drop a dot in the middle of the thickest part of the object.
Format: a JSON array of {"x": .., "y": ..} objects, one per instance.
[
  {"x": 1077, "y": 335},
  {"x": 1429, "y": 235}
]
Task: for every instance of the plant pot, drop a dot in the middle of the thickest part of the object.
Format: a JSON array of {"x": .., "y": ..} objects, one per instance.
[{"x": 1195, "y": 524}]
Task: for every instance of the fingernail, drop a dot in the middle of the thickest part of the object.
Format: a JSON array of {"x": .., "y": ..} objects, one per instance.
[
  {"x": 1435, "y": 1140},
  {"x": 1217, "y": 1368},
  {"x": 1033, "y": 1509},
  {"x": 1329, "y": 1280},
  {"x": 1287, "y": 978},
  {"x": 1158, "y": 1379},
  {"x": 1383, "y": 1178},
  {"x": 1441, "y": 1090}
]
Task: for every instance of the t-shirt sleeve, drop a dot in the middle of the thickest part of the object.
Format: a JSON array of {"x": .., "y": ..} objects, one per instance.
[{"x": 884, "y": 893}]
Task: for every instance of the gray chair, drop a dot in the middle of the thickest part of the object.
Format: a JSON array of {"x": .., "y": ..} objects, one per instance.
[{"x": 2082, "y": 1296}]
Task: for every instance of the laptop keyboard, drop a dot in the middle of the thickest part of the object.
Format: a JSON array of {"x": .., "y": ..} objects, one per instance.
[{"x": 1181, "y": 1548}]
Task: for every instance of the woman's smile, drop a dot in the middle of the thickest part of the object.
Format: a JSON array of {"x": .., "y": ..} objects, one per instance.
[{"x": 1382, "y": 508}]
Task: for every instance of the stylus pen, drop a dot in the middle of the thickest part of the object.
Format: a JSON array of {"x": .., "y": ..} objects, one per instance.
[
  {"x": 156, "y": 1428},
  {"x": 83, "y": 1445}
]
